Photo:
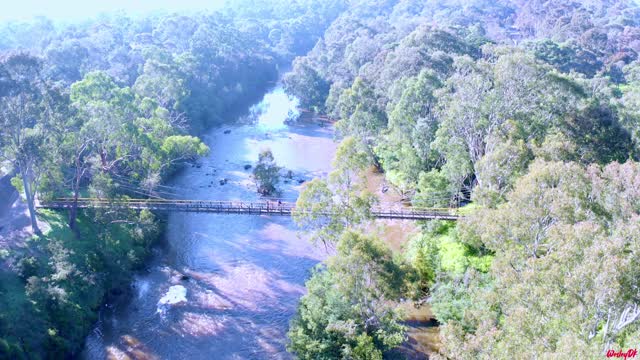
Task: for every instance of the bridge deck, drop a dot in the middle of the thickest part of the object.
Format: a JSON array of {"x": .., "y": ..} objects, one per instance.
[{"x": 240, "y": 207}]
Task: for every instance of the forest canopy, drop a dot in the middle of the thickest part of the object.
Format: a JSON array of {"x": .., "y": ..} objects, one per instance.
[
  {"x": 110, "y": 107},
  {"x": 527, "y": 113},
  {"x": 523, "y": 117}
]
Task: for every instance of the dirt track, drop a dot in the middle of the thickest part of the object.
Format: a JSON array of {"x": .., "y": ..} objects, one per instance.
[{"x": 14, "y": 220}]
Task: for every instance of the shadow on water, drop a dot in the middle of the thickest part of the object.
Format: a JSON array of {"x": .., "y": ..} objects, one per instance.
[
  {"x": 243, "y": 274},
  {"x": 219, "y": 320}
]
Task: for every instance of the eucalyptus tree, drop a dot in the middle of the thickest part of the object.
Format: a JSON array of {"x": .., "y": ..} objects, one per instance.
[
  {"x": 266, "y": 173},
  {"x": 308, "y": 85},
  {"x": 504, "y": 98},
  {"x": 360, "y": 116},
  {"x": 328, "y": 207},
  {"x": 66, "y": 60},
  {"x": 349, "y": 311},
  {"x": 554, "y": 241},
  {"x": 117, "y": 134},
  {"x": 161, "y": 79},
  {"x": 101, "y": 138},
  {"x": 406, "y": 149},
  {"x": 26, "y": 121},
  {"x": 106, "y": 111}
]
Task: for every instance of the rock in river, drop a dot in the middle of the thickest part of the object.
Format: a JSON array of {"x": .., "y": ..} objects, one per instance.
[{"x": 176, "y": 295}]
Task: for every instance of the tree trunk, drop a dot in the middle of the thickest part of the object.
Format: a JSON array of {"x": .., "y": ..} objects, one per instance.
[
  {"x": 103, "y": 160},
  {"x": 30, "y": 199},
  {"x": 73, "y": 212}
]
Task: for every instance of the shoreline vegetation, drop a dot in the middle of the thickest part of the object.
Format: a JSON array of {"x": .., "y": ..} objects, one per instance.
[
  {"x": 525, "y": 115},
  {"x": 113, "y": 104}
]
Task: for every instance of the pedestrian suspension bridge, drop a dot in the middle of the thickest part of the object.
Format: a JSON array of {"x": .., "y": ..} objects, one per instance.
[{"x": 242, "y": 207}]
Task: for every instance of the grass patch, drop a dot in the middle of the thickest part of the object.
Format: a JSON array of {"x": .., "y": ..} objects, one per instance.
[{"x": 20, "y": 319}]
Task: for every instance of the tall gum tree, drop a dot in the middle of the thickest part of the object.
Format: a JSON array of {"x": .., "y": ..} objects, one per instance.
[
  {"x": 330, "y": 206},
  {"x": 24, "y": 113}
]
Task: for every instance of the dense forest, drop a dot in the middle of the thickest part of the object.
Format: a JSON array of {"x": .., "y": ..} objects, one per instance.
[
  {"x": 109, "y": 108},
  {"x": 526, "y": 113},
  {"x": 522, "y": 116}
]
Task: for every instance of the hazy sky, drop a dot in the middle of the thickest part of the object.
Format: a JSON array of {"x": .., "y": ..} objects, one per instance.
[{"x": 76, "y": 9}]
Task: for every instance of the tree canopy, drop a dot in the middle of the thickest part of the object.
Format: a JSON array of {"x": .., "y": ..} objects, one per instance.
[
  {"x": 110, "y": 107},
  {"x": 528, "y": 110},
  {"x": 524, "y": 113}
]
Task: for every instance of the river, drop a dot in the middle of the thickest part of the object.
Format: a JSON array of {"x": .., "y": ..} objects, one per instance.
[{"x": 243, "y": 274}]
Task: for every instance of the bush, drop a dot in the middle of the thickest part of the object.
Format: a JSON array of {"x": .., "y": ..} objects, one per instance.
[
  {"x": 266, "y": 173},
  {"x": 28, "y": 267}
]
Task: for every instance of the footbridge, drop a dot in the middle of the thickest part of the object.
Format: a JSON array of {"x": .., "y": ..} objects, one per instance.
[{"x": 243, "y": 207}]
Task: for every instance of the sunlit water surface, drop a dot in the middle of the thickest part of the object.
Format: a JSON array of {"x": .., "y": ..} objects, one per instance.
[{"x": 241, "y": 275}]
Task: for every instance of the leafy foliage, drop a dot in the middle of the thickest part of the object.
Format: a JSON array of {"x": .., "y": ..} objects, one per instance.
[
  {"x": 266, "y": 173},
  {"x": 553, "y": 241},
  {"x": 108, "y": 107},
  {"x": 527, "y": 109},
  {"x": 328, "y": 207},
  {"x": 346, "y": 313}
]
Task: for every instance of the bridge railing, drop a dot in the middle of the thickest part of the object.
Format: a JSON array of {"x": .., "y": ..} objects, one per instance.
[{"x": 230, "y": 206}]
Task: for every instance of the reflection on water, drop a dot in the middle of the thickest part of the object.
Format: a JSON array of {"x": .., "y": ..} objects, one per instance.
[
  {"x": 274, "y": 108},
  {"x": 243, "y": 275}
]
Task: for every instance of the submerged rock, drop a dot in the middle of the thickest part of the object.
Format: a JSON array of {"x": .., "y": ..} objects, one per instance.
[
  {"x": 247, "y": 167},
  {"x": 176, "y": 295},
  {"x": 227, "y": 131},
  {"x": 116, "y": 291}
]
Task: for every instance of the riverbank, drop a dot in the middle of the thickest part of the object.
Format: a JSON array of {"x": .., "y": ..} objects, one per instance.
[
  {"x": 58, "y": 282},
  {"x": 242, "y": 275},
  {"x": 423, "y": 336},
  {"x": 53, "y": 285}
]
